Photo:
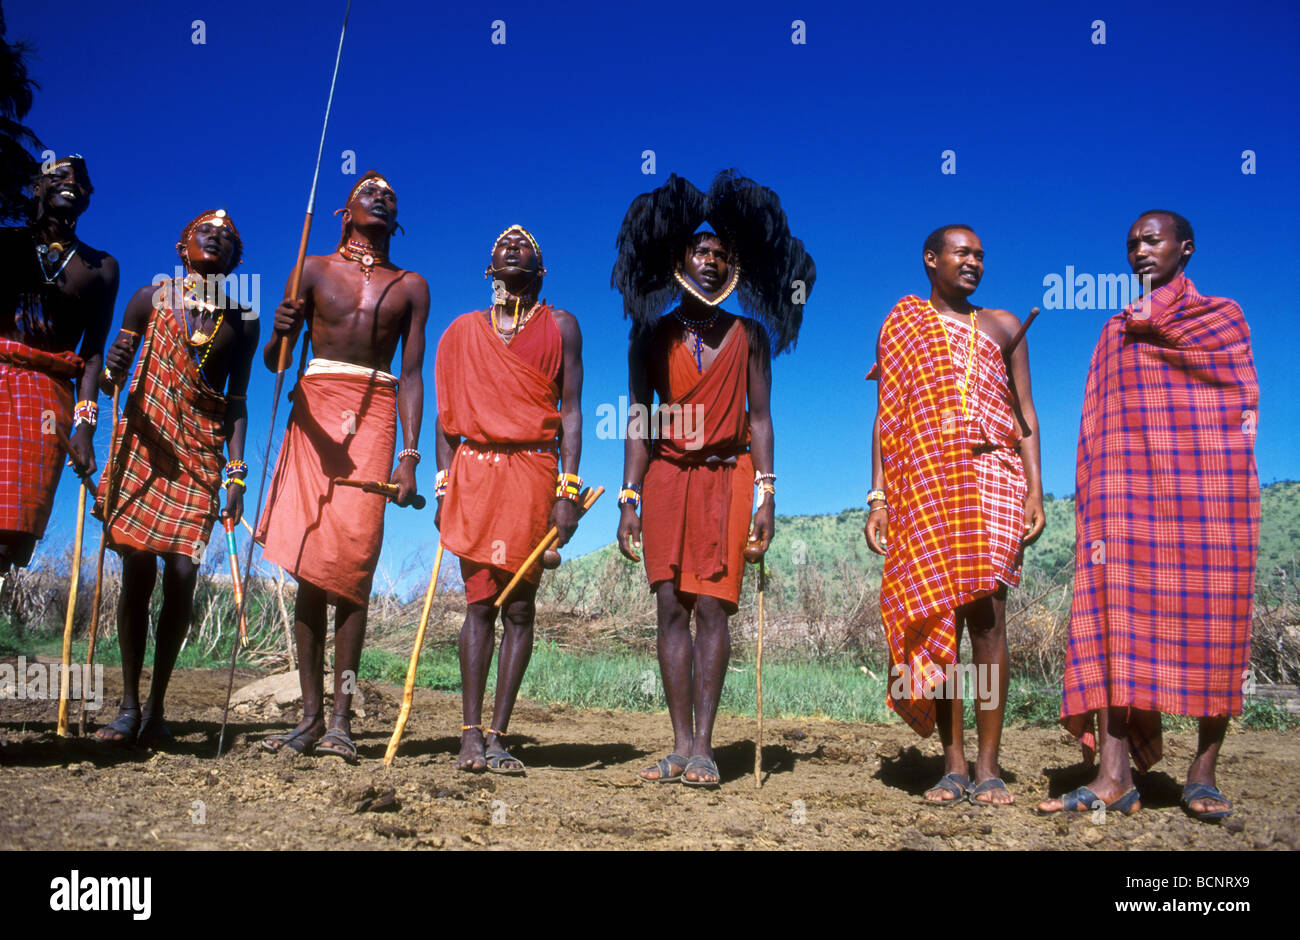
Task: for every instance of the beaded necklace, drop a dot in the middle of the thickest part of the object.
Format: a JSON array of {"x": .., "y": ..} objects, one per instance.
[
  {"x": 970, "y": 352},
  {"x": 520, "y": 321},
  {"x": 365, "y": 255},
  {"x": 694, "y": 332},
  {"x": 198, "y": 337}
]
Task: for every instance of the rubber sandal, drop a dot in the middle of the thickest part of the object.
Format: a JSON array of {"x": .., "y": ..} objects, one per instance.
[
  {"x": 1205, "y": 791},
  {"x": 705, "y": 764},
  {"x": 126, "y": 726},
  {"x": 988, "y": 786},
  {"x": 956, "y": 784},
  {"x": 496, "y": 756},
  {"x": 337, "y": 743},
  {"x": 298, "y": 741},
  {"x": 663, "y": 765},
  {"x": 1083, "y": 799}
]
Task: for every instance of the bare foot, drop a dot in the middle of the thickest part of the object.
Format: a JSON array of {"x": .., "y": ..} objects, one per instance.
[{"x": 471, "y": 757}]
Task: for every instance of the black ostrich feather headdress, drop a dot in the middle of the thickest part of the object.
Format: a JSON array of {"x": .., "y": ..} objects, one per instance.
[{"x": 658, "y": 227}]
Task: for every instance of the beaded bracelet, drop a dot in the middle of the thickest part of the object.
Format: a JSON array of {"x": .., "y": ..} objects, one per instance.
[
  {"x": 875, "y": 495},
  {"x": 233, "y": 481},
  {"x": 235, "y": 466},
  {"x": 764, "y": 491},
  {"x": 760, "y": 477},
  {"x": 440, "y": 484},
  {"x": 630, "y": 495},
  {"x": 85, "y": 412},
  {"x": 409, "y": 452},
  {"x": 568, "y": 486}
]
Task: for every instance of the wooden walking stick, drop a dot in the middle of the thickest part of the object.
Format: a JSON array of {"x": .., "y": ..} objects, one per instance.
[
  {"x": 589, "y": 497},
  {"x": 285, "y": 357},
  {"x": 99, "y": 564},
  {"x": 408, "y": 692},
  {"x": 386, "y": 490},
  {"x": 72, "y": 609}
]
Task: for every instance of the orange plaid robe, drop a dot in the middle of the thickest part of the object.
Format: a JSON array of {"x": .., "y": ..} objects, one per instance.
[{"x": 939, "y": 554}]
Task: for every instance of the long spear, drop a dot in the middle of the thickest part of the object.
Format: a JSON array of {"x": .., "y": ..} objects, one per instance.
[{"x": 285, "y": 357}]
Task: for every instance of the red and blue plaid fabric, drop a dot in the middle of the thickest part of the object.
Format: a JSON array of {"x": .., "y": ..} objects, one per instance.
[
  {"x": 167, "y": 450},
  {"x": 37, "y": 392},
  {"x": 940, "y": 554},
  {"x": 1166, "y": 517}
]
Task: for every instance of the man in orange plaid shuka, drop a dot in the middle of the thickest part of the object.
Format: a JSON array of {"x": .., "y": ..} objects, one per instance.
[
  {"x": 956, "y": 494},
  {"x": 159, "y": 491}
]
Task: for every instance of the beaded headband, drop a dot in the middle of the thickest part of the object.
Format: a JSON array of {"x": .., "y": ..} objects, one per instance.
[
  {"x": 696, "y": 290},
  {"x": 78, "y": 163},
  {"x": 219, "y": 219},
  {"x": 541, "y": 268},
  {"x": 376, "y": 179}
]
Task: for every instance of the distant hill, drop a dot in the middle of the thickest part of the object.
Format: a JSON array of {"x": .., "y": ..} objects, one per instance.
[{"x": 831, "y": 550}]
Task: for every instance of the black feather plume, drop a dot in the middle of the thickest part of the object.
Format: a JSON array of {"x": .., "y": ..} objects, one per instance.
[
  {"x": 654, "y": 232},
  {"x": 776, "y": 272}
]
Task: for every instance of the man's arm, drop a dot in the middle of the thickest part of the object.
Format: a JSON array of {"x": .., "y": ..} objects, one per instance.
[
  {"x": 92, "y": 354},
  {"x": 410, "y": 388},
  {"x": 291, "y": 315},
  {"x": 636, "y": 448},
  {"x": 237, "y": 410},
  {"x": 762, "y": 441},
  {"x": 877, "y": 526},
  {"x": 564, "y": 514}
]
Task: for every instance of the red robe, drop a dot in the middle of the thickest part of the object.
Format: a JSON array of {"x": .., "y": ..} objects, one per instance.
[
  {"x": 504, "y": 401},
  {"x": 342, "y": 425},
  {"x": 167, "y": 450},
  {"x": 37, "y": 391},
  {"x": 698, "y": 490}
]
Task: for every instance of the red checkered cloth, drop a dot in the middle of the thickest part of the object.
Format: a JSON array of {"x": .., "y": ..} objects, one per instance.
[
  {"x": 37, "y": 396},
  {"x": 167, "y": 450},
  {"x": 1166, "y": 517},
  {"x": 956, "y": 493}
]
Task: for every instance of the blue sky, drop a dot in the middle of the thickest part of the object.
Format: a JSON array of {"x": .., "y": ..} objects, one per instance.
[{"x": 1059, "y": 144}]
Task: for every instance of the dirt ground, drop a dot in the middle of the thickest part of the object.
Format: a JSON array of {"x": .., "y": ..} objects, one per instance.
[{"x": 827, "y": 785}]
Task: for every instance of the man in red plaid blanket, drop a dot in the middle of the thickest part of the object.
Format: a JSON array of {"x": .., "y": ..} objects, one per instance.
[
  {"x": 56, "y": 305},
  {"x": 1166, "y": 528},
  {"x": 957, "y": 493},
  {"x": 159, "y": 491}
]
